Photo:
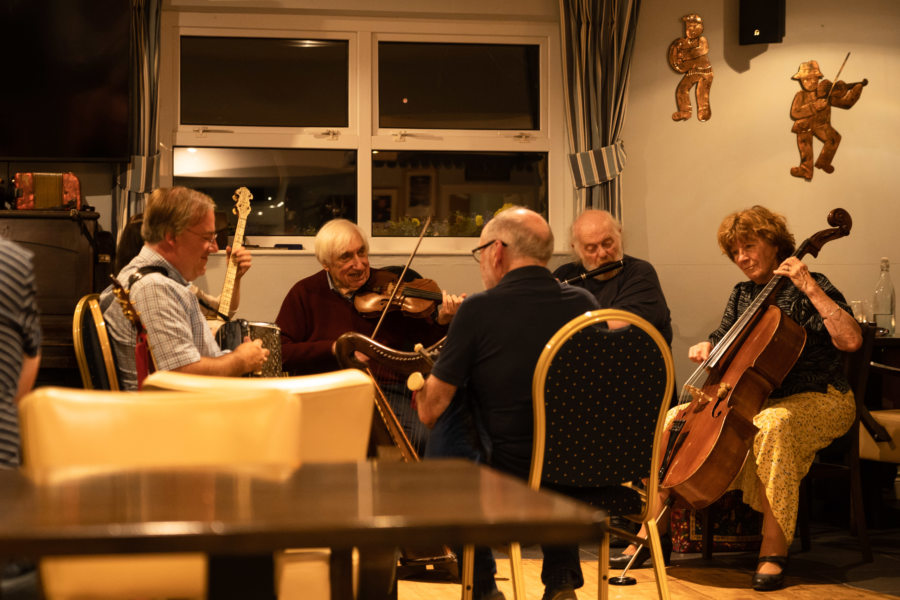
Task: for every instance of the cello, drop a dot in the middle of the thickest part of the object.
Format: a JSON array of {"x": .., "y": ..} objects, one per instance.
[{"x": 711, "y": 435}]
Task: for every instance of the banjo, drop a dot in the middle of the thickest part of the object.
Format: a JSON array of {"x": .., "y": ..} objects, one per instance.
[{"x": 230, "y": 333}]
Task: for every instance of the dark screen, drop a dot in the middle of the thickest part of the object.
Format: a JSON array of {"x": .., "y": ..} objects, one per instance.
[
  {"x": 65, "y": 79},
  {"x": 458, "y": 86},
  {"x": 264, "y": 82}
]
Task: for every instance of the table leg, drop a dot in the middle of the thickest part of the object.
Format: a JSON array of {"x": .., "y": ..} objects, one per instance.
[{"x": 240, "y": 576}]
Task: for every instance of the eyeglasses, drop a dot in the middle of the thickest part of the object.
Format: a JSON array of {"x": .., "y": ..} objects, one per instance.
[
  {"x": 476, "y": 253},
  {"x": 209, "y": 239}
]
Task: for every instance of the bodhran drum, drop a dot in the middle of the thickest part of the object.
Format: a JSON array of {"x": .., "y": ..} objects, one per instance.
[
  {"x": 270, "y": 335},
  {"x": 232, "y": 333}
]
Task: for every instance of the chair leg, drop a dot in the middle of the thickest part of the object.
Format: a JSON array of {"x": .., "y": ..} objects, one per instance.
[
  {"x": 603, "y": 567},
  {"x": 515, "y": 568},
  {"x": 659, "y": 565},
  {"x": 858, "y": 516},
  {"x": 468, "y": 568}
]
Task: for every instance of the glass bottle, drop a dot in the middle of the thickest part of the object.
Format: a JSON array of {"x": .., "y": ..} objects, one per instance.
[{"x": 883, "y": 301}]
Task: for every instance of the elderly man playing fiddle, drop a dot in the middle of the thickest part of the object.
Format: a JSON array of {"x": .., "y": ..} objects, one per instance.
[
  {"x": 179, "y": 235},
  {"x": 597, "y": 241},
  {"x": 481, "y": 382},
  {"x": 319, "y": 308}
]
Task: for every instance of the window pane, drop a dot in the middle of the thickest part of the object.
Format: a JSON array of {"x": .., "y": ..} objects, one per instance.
[
  {"x": 294, "y": 191},
  {"x": 458, "y": 86},
  {"x": 265, "y": 82},
  {"x": 462, "y": 190}
]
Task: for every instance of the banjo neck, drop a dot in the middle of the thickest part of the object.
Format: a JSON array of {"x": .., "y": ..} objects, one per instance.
[{"x": 242, "y": 197}]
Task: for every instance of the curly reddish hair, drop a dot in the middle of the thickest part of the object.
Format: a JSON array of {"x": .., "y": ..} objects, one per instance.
[{"x": 752, "y": 223}]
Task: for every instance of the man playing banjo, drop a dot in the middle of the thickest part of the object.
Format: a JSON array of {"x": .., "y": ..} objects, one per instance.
[{"x": 179, "y": 235}]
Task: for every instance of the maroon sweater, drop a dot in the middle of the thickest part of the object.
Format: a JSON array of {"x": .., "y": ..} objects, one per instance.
[{"x": 313, "y": 316}]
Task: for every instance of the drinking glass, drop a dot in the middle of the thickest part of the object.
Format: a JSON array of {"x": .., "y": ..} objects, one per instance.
[{"x": 860, "y": 310}]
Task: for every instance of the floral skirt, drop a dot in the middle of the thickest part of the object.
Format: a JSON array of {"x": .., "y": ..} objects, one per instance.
[{"x": 791, "y": 430}]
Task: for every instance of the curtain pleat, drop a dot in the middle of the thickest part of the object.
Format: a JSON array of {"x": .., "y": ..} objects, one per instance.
[
  {"x": 598, "y": 43},
  {"x": 136, "y": 180}
]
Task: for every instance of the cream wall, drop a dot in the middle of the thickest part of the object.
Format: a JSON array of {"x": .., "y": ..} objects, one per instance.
[{"x": 682, "y": 178}]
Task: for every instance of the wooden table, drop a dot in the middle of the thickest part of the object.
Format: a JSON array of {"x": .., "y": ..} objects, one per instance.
[{"x": 371, "y": 504}]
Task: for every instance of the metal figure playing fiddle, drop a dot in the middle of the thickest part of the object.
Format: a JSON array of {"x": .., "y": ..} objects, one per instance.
[
  {"x": 811, "y": 112},
  {"x": 690, "y": 55}
]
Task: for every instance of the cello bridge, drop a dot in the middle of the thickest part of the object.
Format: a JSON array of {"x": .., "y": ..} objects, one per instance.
[{"x": 698, "y": 395}]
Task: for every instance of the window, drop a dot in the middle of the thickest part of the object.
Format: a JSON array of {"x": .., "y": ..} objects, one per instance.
[
  {"x": 429, "y": 85},
  {"x": 294, "y": 191},
  {"x": 378, "y": 120},
  {"x": 263, "y": 81},
  {"x": 460, "y": 190}
]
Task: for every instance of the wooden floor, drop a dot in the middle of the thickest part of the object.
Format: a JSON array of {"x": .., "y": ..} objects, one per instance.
[{"x": 831, "y": 570}]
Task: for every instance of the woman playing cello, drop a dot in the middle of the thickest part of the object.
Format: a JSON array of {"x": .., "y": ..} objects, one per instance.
[{"x": 813, "y": 404}]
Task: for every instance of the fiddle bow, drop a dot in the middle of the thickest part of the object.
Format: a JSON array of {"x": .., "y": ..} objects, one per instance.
[{"x": 396, "y": 288}]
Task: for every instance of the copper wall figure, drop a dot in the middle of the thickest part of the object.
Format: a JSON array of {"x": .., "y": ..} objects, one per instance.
[
  {"x": 690, "y": 55},
  {"x": 811, "y": 112}
]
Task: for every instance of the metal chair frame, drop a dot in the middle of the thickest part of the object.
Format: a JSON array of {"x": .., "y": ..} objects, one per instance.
[{"x": 649, "y": 496}]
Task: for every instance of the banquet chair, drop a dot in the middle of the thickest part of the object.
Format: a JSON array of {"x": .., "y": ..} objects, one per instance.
[
  {"x": 70, "y": 428},
  {"x": 335, "y": 420},
  {"x": 93, "y": 351},
  {"x": 841, "y": 458},
  {"x": 600, "y": 398}
]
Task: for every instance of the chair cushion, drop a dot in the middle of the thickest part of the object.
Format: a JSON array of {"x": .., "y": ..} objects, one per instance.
[{"x": 882, "y": 451}]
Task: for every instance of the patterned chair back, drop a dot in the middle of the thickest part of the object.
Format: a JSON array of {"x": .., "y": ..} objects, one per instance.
[
  {"x": 600, "y": 397},
  {"x": 95, "y": 356}
]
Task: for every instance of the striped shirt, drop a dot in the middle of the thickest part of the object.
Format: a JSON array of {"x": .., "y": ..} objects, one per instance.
[
  {"x": 20, "y": 335},
  {"x": 176, "y": 329}
]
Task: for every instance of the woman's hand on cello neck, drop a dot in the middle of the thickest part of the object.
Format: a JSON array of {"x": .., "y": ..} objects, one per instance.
[{"x": 843, "y": 328}]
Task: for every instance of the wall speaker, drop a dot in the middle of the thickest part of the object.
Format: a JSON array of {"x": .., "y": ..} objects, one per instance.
[{"x": 761, "y": 21}]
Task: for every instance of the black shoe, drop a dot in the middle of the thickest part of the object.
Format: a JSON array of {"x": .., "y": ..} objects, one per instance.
[
  {"x": 17, "y": 568},
  {"x": 768, "y": 582},
  {"x": 486, "y": 590},
  {"x": 566, "y": 592},
  {"x": 620, "y": 561}
]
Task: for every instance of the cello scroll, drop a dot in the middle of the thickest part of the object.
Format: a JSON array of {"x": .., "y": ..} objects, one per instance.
[{"x": 841, "y": 223}]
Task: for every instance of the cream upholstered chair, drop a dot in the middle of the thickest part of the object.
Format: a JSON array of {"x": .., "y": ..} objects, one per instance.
[
  {"x": 335, "y": 407},
  {"x": 336, "y": 417},
  {"x": 600, "y": 399},
  {"x": 63, "y": 427}
]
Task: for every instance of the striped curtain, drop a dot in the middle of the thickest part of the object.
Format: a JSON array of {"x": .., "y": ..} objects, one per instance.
[
  {"x": 598, "y": 42},
  {"x": 136, "y": 180}
]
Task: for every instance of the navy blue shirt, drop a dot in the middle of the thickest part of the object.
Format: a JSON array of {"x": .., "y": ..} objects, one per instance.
[
  {"x": 492, "y": 348},
  {"x": 636, "y": 289}
]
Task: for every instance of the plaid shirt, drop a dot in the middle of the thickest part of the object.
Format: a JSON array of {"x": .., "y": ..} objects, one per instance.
[{"x": 176, "y": 328}]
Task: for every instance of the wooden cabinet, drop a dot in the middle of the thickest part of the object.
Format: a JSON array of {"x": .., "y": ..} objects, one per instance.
[{"x": 72, "y": 257}]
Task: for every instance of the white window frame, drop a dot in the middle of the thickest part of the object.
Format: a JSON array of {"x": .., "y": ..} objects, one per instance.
[{"x": 362, "y": 133}]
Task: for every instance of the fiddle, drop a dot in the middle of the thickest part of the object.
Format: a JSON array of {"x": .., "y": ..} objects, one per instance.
[{"x": 416, "y": 298}]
